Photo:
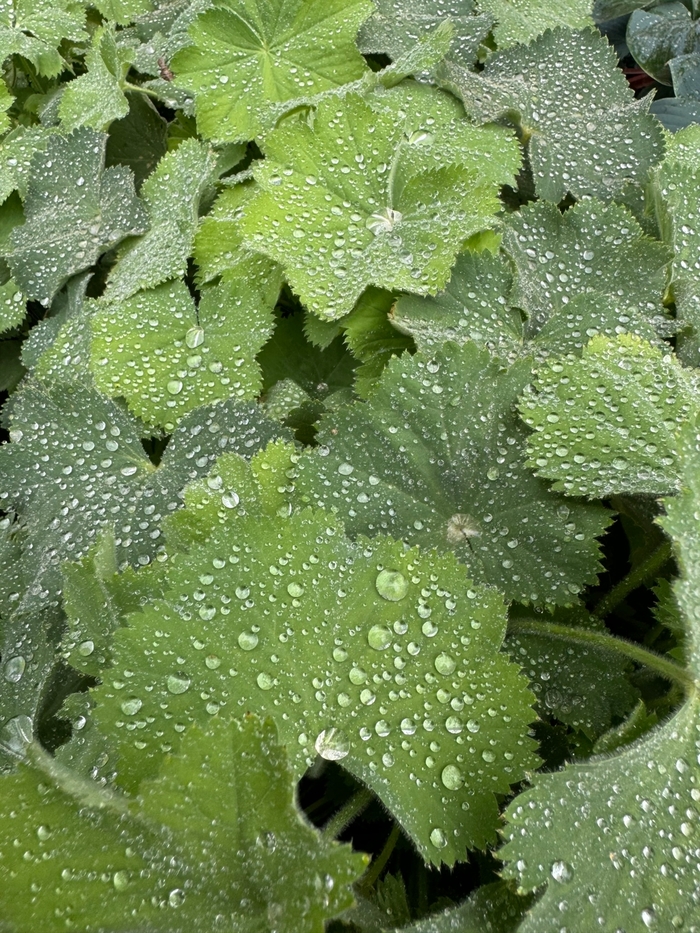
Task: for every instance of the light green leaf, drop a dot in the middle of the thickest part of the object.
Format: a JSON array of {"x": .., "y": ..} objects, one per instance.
[
  {"x": 675, "y": 190},
  {"x": 171, "y": 195},
  {"x": 96, "y": 98},
  {"x": 342, "y": 644},
  {"x": 98, "y": 470},
  {"x": 16, "y": 152},
  {"x": 6, "y": 101},
  {"x": 122, "y": 11},
  {"x": 75, "y": 210},
  {"x": 397, "y": 25},
  {"x": 436, "y": 456},
  {"x": 519, "y": 21},
  {"x": 591, "y": 247},
  {"x": 397, "y": 182},
  {"x": 587, "y": 134},
  {"x": 13, "y": 306},
  {"x": 251, "y": 59},
  {"x": 633, "y": 815},
  {"x": 217, "y": 833},
  {"x": 372, "y": 339},
  {"x": 35, "y": 29},
  {"x": 159, "y": 34},
  {"x": 166, "y": 356},
  {"x": 607, "y": 423}
]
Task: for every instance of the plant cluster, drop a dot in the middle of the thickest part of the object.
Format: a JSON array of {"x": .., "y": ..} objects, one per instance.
[{"x": 350, "y": 541}]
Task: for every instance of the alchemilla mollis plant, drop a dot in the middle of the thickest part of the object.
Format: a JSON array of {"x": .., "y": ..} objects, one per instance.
[{"x": 350, "y": 475}]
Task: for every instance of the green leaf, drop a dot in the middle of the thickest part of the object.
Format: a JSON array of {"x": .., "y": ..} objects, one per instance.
[
  {"x": 636, "y": 725},
  {"x": 436, "y": 456},
  {"x": 122, "y": 12},
  {"x": 590, "y": 248},
  {"x": 656, "y": 36},
  {"x": 633, "y": 815},
  {"x": 519, "y": 21},
  {"x": 685, "y": 75},
  {"x": 35, "y": 29},
  {"x": 398, "y": 182},
  {"x": 607, "y": 423},
  {"x": 397, "y": 25},
  {"x": 171, "y": 195},
  {"x": 372, "y": 339},
  {"x": 75, "y": 210},
  {"x": 587, "y": 134},
  {"x": 11, "y": 369},
  {"x": 166, "y": 356},
  {"x": 677, "y": 202},
  {"x": 342, "y": 644},
  {"x": 138, "y": 140},
  {"x": 96, "y": 98},
  {"x": 216, "y": 834},
  {"x": 16, "y": 152},
  {"x": 99, "y": 471},
  {"x": 493, "y": 908},
  {"x": 249, "y": 60},
  {"x": 13, "y": 306}
]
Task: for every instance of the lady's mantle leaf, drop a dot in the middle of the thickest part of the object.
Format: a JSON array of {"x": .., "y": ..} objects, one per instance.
[
  {"x": 519, "y": 21},
  {"x": 35, "y": 29},
  {"x": 656, "y": 36},
  {"x": 249, "y": 59},
  {"x": 75, "y": 210},
  {"x": 171, "y": 195},
  {"x": 398, "y": 25},
  {"x": 216, "y": 834},
  {"x": 435, "y": 456},
  {"x": 607, "y": 424},
  {"x": 379, "y": 192},
  {"x": 615, "y": 839},
  {"x": 359, "y": 652},
  {"x": 96, "y": 98},
  {"x": 588, "y": 135},
  {"x": 492, "y": 908},
  {"x": 167, "y": 357}
]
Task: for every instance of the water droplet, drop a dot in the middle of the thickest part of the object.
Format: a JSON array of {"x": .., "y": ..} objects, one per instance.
[
  {"x": 43, "y": 833},
  {"x": 295, "y": 590},
  {"x": 562, "y": 872},
  {"x": 174, "y": 387},
  {"x": 453, "y": 725},
  {"x": 131, "y": 706},
  {"x": 230, "y": 499},
  {"x": 248, "y": 640},
  {"x": 85, "y": 648},
  {"x": 14, "y": 669},
  {"x": 194, "y": 337},
  {"x": 391, "y": 585},
  {"x": 264, "y": 681},
  {"x": 438, "y": 838},
  {"x": 379, "y": 637},
  {"x": 332, "y": 744},
  {"x": 176, "y": 898},
  {"x": 444, "y": 664},
  {"x": 488, "y": 756},
  {"x": 120, "y": 880},
  {"x": 452, "y": 777},
  {"x": 179, "y": 683}
]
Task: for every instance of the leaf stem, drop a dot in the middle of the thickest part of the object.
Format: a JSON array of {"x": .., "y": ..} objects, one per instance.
[
  {"x": 144, "y": 90},
  {"x": 664, "y": 666},
  {"x": 647, "y": 570},
  {"x": 347, "y": 813},
  {"x": 379, "y": 863}
]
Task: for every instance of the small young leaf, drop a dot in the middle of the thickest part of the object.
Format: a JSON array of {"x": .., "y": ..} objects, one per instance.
[
  {"x": 247, "y": 62},
  {"x": 398, "y": 182},
  {"x": 587, "y": 134},
  {"x": 342, "y": 644},
  {"x": 372, "y": 339},
  {"x": 96, "y": 98},
  {"x": 171, "y": 195},
  {"x": 216, "y": 834},
  {"x": 75, "y": 210},
  {"x": 138, "y": 140},
  {"x": 436, "y": 456}
]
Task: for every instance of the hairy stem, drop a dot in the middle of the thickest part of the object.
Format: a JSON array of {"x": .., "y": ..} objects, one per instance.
[
  {"x": 645, "y": 572},
  {"x": 347, "y": 813},
  {"x": 143, "y": 90},
  {"x": 664, "y": 666},
  {"x": 378, "y": 864}
]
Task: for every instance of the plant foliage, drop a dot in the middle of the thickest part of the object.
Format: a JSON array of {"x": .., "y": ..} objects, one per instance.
[{"x": 350, "y": 466}]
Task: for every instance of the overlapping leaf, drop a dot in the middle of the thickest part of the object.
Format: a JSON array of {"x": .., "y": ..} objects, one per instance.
[
  {"x": 75, "y": 210},
  {"x": 608, "y": 423},
  {"x": 96, "y": 98},
  {"x": 633, "y": 816},
  {"x": 216, "y": 834},
  {"x": 587, "y": 135},
  {"x": 656, "y": 36},
  {"x": 519, "y": 21},
  {"x": 436, "y": 456},
  {"x": 394, "y": 184},
  {"x": 397, "y": 25},
  {"x": 35, "y": 29},
  {"x": 171, "y": 195},
  {"x": 166, "y": 356},
  {"x": 249, "y": 59},
  {"x": 357, "y": 651}
]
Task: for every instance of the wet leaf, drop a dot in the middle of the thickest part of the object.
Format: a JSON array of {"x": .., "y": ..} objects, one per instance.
[
  {"x": 519, "y": 21},
  {"x": 436, "y": 456},
  {"x": 656, "y": 36},
  {"x": 36, "y": 28},
  {"x": 248, "y": 61},
  {"x": 97, "y": 98}
]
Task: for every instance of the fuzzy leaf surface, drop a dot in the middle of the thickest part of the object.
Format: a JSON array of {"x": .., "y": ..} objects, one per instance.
[
  {"x": 608, "y": 423},
  {"x": 436, "y": 456},
  {"x": 171, "y": 195},
  {"x": 588, "y": 135},
  {"x": 216, "y": 833},
  {"x": 398, "y": 183},
  {"x": 250, "y": 58},
  {"x": 75, "y": 210},
  {"x": 96, "y": 98},
  {"x": 341, "y": 644},
  {"x": 519, "y": 21},
  {"x": 36, "y": 28}
]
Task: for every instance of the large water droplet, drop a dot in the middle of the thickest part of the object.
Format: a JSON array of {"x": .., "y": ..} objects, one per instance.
[
  {"x": 438, "y": 838},
  {"x": 174, "y": 387},
  {"x": 391, "y": 585},
  {"x": 179, "y": 683},
  {"x": 120, "y": 880},
  {"x": 379, "y": 637},
  {"x": 264, "y": 681},
  {"x": 332, "y": 744},
  {"x": 131, "y": 706},
  {"x": 194, "y": 337},
  {"x": 562, "y": 872},
  {"x": 14, "y": 669},
  {"x": 452, "y": 777},
  {"x": 176, "y": 898},
  {"x": 444, "y": 664},
  {"x": 295, "y": 590},
  {"x": 248, "y": 640}
]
